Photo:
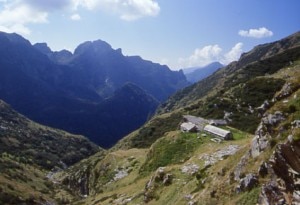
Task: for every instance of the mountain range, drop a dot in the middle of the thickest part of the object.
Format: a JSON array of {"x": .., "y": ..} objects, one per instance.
[
  {"x": 90, "y": 92},
  {"x": 256, "y": 99}
]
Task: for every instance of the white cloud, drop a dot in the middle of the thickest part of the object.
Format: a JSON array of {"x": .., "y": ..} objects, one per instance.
[
  {"x": 256, "y": 33},
  {"x": 234, "y": 54},
  {"x": 163, "y": 61},
  {"x": 211, "y": 53},
  {"x": 49, "y": 5},
  {"x": 16, "y": 15},
  {"x": 75, "y": 17},
  {"x": 16, "y": 28},
  {"x": 128, "y": 10},
  {"x": 202, "y": 56}
]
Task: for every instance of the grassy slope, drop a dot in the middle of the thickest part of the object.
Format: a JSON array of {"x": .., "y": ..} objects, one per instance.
[
  {"x": 237, "y": 88},
  {"x": 171, "y": 149},
  {"x": 210, "y": 185}
]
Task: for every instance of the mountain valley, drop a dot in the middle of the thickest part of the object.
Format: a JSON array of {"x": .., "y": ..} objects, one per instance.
[
  {"x": 78, "y": 92},
  {"x": 257, "y": 96}
]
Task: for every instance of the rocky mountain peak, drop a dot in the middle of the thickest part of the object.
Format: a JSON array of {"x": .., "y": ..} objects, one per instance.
[
  {"x": 14, "y": 38},
  {"x": 97, "y": 46},
  {"x": 43, "y": 47}
]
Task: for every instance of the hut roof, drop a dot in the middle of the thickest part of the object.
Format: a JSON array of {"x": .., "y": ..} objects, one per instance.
[
  {"x": 217, "y": 131},
  {"x": 188, "y": 126}
]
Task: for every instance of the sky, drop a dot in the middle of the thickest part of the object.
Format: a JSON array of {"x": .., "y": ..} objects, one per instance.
[{"x": 177, "y": 33}]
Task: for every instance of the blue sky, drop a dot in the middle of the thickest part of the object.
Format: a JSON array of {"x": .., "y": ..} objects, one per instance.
[{"x": 173, "y": 32}]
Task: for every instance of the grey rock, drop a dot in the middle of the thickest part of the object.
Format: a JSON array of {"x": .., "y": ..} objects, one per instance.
[
  {"x": 190, "y": 169},
  {"x": 258, "y": 144},
  {"x": 240, "y": 166},
  {"x": 296, "y": 124},
  {"x": 219, "y": 155},
  {"x": 247, "y": 183},
  {"x": 285, "y": 91}
]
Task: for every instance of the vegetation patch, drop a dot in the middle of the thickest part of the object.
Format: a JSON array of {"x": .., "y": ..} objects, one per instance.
[
  {"x": 171, "y": 150},
  {"x": 257, "y": 90},
  {"x": 155, "y": 129},
  {"x": 249, "y": 198}
]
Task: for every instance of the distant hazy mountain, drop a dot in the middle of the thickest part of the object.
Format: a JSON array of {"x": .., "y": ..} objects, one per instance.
[
  {"x": 196, "y": 74},
  {"x": 80, "y": 92},
  {"x": 61, "y": 57}
]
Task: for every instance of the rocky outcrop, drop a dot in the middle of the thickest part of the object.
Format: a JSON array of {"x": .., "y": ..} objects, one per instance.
[
  {"x": 79, "y": 182},
  {"x": 271, "y": 194},
  {"x": 263, "y": 133},
  {"x": 159, "y": 178},
  {"x": 261, "y": 109},
  {"x": 190, "y": 169},
  {"x": 287, "y": 89},
  {"x": 247, "y": 183},
  {"x": 210, "y": 159},
  {"x": 240, "y": 167},
  {"x": 284, "y": 186}
]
